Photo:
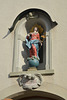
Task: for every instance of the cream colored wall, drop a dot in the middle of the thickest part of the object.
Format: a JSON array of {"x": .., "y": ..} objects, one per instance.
[{"x": 57, "y": 9}]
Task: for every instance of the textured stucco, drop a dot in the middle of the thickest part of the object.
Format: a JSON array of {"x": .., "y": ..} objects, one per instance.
[{"x": 57, "y": 9}]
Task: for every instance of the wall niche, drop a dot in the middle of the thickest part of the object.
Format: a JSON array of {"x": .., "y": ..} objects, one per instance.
[{"x": 22, "y": 25}]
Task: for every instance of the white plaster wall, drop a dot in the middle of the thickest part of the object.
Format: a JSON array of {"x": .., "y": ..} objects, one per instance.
[{"x": 57, "y": 9}]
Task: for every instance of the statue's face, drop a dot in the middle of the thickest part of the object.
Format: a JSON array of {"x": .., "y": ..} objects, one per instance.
[{"x": 35, "y": 29}]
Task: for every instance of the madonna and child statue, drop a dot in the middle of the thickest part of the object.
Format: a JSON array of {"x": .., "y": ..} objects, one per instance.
[{"x": 33, "y": 43}]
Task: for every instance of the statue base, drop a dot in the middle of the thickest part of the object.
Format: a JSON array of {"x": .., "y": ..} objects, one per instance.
[{"x": 32, "y": 69}]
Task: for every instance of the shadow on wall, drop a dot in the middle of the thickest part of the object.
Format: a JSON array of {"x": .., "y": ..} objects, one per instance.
[
  {"x": 25, "y": 54},
  {"x": 25, "y": 13},
  {"x": 6, "y": 34}
]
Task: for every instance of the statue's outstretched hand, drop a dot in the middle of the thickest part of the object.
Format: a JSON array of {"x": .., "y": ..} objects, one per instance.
[
  {"x": 41, "y": 43},
  {"x": 28, "y": 34}
]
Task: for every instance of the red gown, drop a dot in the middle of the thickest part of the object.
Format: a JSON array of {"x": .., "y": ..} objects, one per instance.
[{"x": 33, "y": 50}]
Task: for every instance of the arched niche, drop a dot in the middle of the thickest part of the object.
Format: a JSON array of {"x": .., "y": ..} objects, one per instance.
[{"x": 22, "y": 25}]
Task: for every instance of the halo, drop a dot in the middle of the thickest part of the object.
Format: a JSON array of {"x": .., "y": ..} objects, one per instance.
[{"x": 40, "y": 28}]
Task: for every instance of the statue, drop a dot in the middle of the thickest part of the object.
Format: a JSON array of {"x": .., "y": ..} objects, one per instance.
[{"x": 32, "y": 43}]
